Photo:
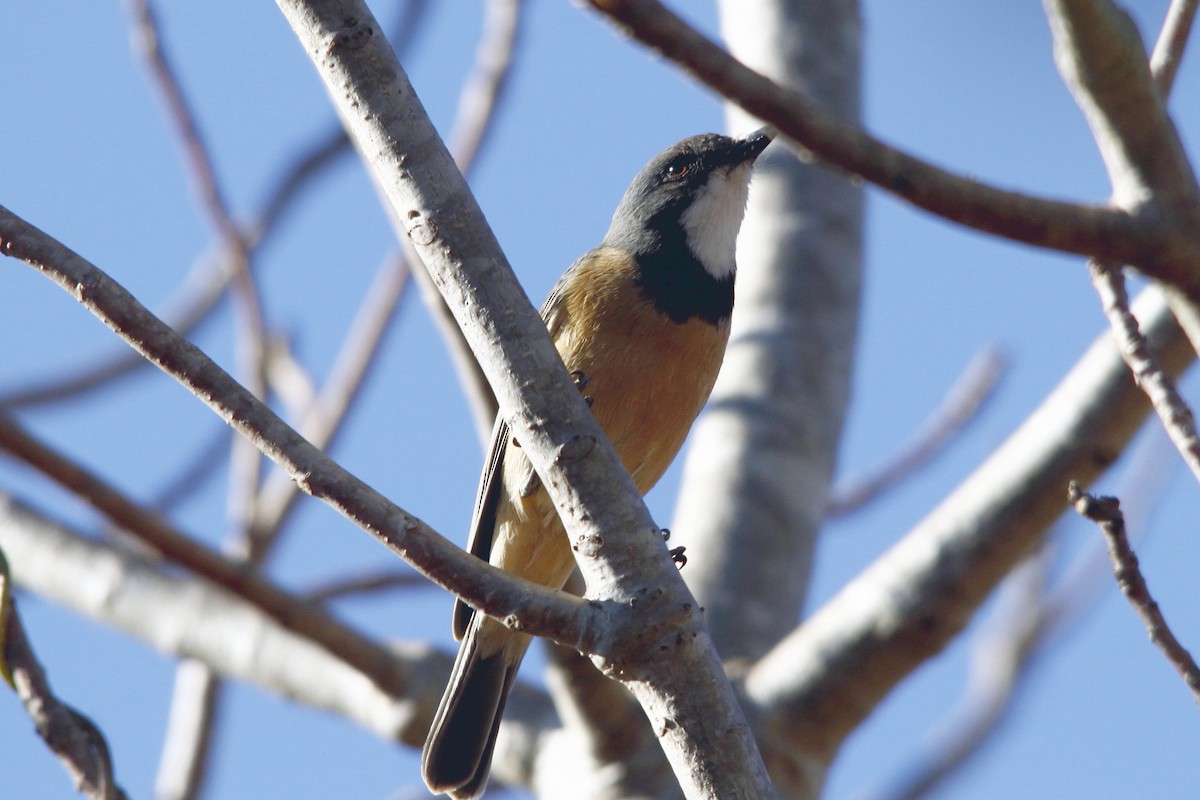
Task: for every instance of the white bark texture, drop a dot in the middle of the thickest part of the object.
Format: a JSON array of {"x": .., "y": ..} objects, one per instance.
[{"x": 762, "y": 457}]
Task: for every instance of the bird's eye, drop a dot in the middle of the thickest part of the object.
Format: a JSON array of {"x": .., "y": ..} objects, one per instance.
[{"x": 677, "y": 169}]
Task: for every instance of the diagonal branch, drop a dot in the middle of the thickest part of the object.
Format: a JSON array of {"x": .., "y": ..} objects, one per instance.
[
  {"x": 538, "y": 610},
  {"x": 205, "y": 286},
  {"x": 162, "y": 538},
  {"x": 1101, "y": 59},
  {"x": 478, "y": 102},
  {"x": 327, "y": 415},
  {"x": 1032, "y": 613},
  {"x": 1172, "y": 40},
  {"x": 189, "y": 617},
  {"x": 821, "y": 681},
  {"x": 1164, "y": 251},
  {"x": 1177, "y": 418}
]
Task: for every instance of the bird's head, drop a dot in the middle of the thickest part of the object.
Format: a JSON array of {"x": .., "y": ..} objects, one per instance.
[{"x": 692, "y": 194}]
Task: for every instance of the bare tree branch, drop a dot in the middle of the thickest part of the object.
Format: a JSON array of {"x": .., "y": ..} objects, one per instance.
[
  {"x": 162, "y": 538},
  {"x": 485, "y": 87},
  {"x": 70, "y": 735},
  {"x": 191, "y": 721},
  {"x": 473, "y": 122},
  {"x": 997, "y": 663},
  {"x": 1100, "y": 56},
  {"x": 327, "y": 416},
  {"x": 194, "y": 618},
  {"x": 821, "y": 681},
  {"x": 761, "y": 457},
  {"x": 1163, "y": 251},
  {"x": 1101, "y": 59},
  {"x": 147, "y": 40},
  {"x": 182, "y": 768},
  {"x": 1030, "y": 617},
  {"x": 184, "y": 311},
  {"x": 1106, "y": 512},
  {"x": 536, "y": 609},
  {"x": 335, "y": 141},
  {"x": 1172, "y": 40},
  {"x": 205, "y": 286},
  {"x": 616, "y": 542},
  {"x": 367, "y": 583},
  {"x": 200, "y": 468},
  {"x": 602, "y": 731},
  {"x": 1169, "y": 404}
]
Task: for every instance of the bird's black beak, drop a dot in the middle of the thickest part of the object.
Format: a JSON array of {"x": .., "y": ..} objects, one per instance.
[{"x": 749, "y": 147}]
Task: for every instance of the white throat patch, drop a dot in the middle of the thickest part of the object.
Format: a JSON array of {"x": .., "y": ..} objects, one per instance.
[{"x": 712, "y": 222}]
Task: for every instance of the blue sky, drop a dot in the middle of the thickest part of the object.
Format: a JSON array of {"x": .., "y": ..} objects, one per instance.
[{"x": 971, "y": 86}]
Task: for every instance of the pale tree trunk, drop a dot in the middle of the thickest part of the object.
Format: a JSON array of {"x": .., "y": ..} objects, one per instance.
[{"x": 761, "y": 458}]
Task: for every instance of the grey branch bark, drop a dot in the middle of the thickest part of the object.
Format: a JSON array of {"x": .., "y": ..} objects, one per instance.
[
  {"x": 689, "y": 700},
  {"x": 190, "y": 617},
  {"x": 826, "y": 677},
  {"x": 1166, "y": 252},
  {"x": 534, "y": 608},
  {"x": 70, "y": 735}
]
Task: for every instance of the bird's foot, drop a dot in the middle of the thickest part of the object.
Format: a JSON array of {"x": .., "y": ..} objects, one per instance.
[
  {"x": 581, "y": 381},
  {"x": 676, "y": 552}
]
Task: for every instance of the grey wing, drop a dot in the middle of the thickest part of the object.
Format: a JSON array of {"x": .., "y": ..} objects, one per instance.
[{"x": 483, "y": 519}]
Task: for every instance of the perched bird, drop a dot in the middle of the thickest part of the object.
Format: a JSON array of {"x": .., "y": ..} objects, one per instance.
[{"x": 642, "y": 322}]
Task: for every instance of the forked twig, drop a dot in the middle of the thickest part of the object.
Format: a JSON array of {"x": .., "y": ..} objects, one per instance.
[{"x": 1106, "y": 512}]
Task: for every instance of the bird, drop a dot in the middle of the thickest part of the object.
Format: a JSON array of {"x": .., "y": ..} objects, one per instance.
[{"x": 641, "y": 322}]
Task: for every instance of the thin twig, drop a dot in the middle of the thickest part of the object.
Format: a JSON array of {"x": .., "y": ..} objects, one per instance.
[
  {"x": 1106, "y": 512},
  {"x": 194, "y": 710},
  {"x": 70, "y": 735},
  {"x": 471, "y": 127},
  {"x": 486, "y": 84},
  {"x": 205, "y": 286},
  {"x": 262, "y": 511},
  {"x": 369, "y": 583},
  {"x": 960, "y": 405},
  {"x": 1168, "y": 403},
  {"x": 1109, "y": 281},
  {"x": 325, "y": 419},
  {"x": 1029, "y": 618},
  {"x": 331, "y": 144},
  {"x": 147, "y": 40},
  {"x": 165, "y": 539},
  {"x": 200, "y": 468},
  {"x": 189, "y": 306},
  {"x": 1143, "y": 157},
  {"x": 250, "y": 331},
  {"x": 1172, "y": 41},
  {"x": 178, "y": 614},
  {"x": 1002, "y": 656}
]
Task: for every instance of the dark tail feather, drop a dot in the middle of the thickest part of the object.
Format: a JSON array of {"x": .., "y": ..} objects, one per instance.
[{"x": 458, "y": 751}]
